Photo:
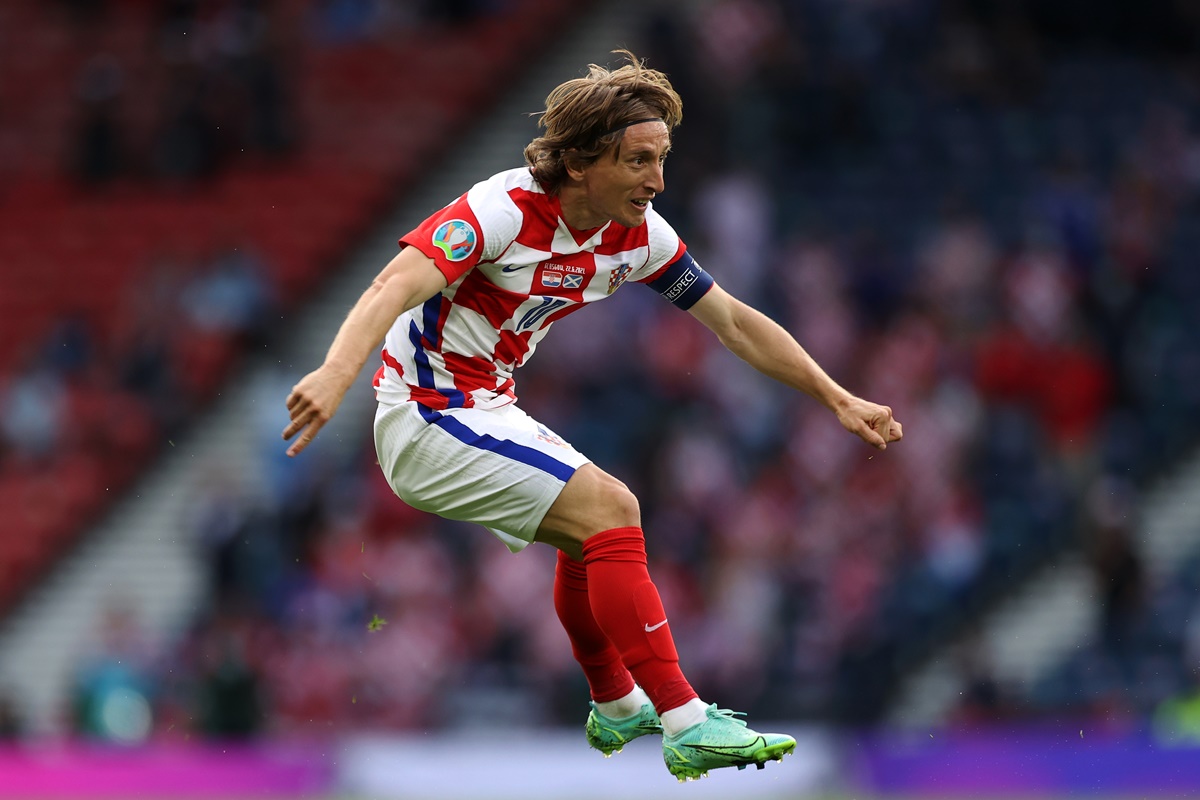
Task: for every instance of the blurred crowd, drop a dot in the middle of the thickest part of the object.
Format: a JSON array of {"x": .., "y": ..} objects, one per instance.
[
  {"x": 983, "y": 214},
  {"x": 221, "y": 89},
  {"x": 86, "y": 407},
  {"x": 78, "y": 387},
  {"x": 220, "y": 78}
]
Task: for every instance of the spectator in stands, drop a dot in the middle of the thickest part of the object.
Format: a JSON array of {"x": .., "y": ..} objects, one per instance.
[
  {"x": 71, "y": 347},
  {"x": 33, "y": 407},
  {"x": 12, "y": 726},
  {"x": 249, "y": 69},
  {"x": 1120, "y": 573},
  {"x": 983, "y": 700},
  {"x": 85, "y": 13},
  {"x": 229, "y": 693},
  {"x": 229, "y": 295},
  {"x": 344, "y": 21},
  {"x": 187, "y": 147},
  {"x": 113, "y": 686},
  {"x": 99, "y": 150}
]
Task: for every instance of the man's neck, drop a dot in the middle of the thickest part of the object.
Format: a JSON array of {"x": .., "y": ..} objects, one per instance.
[{"x": 574, "y": 210}]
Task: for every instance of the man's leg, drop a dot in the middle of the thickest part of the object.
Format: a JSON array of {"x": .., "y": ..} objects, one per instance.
[
  {"x": 621, "y": 710},
  {"x": 606, "y": 675},
  {"x": 597, "y": 517}
]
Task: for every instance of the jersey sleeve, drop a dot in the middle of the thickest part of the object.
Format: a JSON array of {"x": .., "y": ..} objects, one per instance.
[
  {"x": 670, "y": 270},
  {"x": 476, "y": 227},
  {"x": 452, "y": 238}
]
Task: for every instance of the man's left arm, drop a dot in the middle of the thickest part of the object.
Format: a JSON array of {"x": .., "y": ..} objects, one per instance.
[{"x": 759, "y": 341}]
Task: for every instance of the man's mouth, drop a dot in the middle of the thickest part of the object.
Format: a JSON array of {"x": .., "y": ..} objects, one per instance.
[{"x": 640, "y": 203}]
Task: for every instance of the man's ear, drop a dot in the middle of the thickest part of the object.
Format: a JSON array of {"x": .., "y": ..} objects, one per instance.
[{"x": 573, "y": 166}]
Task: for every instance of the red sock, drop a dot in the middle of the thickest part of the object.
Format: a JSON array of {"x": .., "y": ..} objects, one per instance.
[
  {"x": 627, "y": 608},
  {"x": 606, "y": 675}
]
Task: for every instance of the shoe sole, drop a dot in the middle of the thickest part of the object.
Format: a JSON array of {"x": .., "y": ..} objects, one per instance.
[{"x": 759, "y": 758}]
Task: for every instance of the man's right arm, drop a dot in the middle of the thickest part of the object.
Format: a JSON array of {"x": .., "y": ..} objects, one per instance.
[{"x": 408, "y": 280}]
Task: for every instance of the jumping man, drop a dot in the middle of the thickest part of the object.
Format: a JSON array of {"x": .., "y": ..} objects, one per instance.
[{"x": 465, "y": 302}]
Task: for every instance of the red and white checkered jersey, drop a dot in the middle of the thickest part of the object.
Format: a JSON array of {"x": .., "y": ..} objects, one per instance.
[{"x": 514, "y": 267}]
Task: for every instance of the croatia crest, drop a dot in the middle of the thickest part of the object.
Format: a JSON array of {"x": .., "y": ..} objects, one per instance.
[
  {"x": 456, "y": 238},
  {"x": 618, "y": 277}
]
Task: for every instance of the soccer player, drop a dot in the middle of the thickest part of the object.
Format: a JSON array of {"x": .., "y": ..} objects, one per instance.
[{"x": 465, "y": 302}]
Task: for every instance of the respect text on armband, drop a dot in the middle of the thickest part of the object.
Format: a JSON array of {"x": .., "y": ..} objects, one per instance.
[{"x": 680, "y": 286}]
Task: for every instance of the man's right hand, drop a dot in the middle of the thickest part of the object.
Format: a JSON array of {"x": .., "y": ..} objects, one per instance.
[
  {"x": 871, "y": 422},
  {"x": 312, "y": 403}
]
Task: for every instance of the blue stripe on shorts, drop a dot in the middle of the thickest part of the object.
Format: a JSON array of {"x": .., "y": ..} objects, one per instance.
[{"x": 510, "y": 450}]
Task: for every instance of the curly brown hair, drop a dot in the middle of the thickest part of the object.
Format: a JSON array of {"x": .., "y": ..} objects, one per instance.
[{"x": 585, "y": 117}]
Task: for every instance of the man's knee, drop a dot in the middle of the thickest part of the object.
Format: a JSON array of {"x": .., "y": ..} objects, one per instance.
[
  {"x": 622, "y": 505},
  {"x": 592, "y": 501}
]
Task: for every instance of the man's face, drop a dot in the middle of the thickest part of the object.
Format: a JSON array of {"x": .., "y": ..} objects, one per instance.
[{"x": 619, "y": 189}]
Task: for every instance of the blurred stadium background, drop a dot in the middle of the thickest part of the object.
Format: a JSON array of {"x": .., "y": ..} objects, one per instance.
[{"x": 982, "y": 212}]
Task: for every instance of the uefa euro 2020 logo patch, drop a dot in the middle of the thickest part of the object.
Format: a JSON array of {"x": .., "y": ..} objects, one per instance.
[{"x": 456, "y": 238}]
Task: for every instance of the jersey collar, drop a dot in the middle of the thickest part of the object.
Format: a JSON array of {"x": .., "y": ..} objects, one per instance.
[{"x": 582, "y": 239}]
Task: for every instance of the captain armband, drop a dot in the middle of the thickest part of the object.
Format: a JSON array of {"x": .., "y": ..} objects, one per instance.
[{"x": 683, "y": 282}]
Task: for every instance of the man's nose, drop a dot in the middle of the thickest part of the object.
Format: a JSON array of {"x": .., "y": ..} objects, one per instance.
[{"x": 655, "y": 180}]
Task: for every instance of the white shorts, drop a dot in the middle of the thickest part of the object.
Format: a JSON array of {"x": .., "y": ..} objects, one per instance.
[{"x": 499, "y": 467}]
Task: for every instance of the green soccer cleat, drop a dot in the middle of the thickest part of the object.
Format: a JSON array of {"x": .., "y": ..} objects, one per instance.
[
  {"x": 721, "y": 741},
  {"x": 609, "y": 735}
]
